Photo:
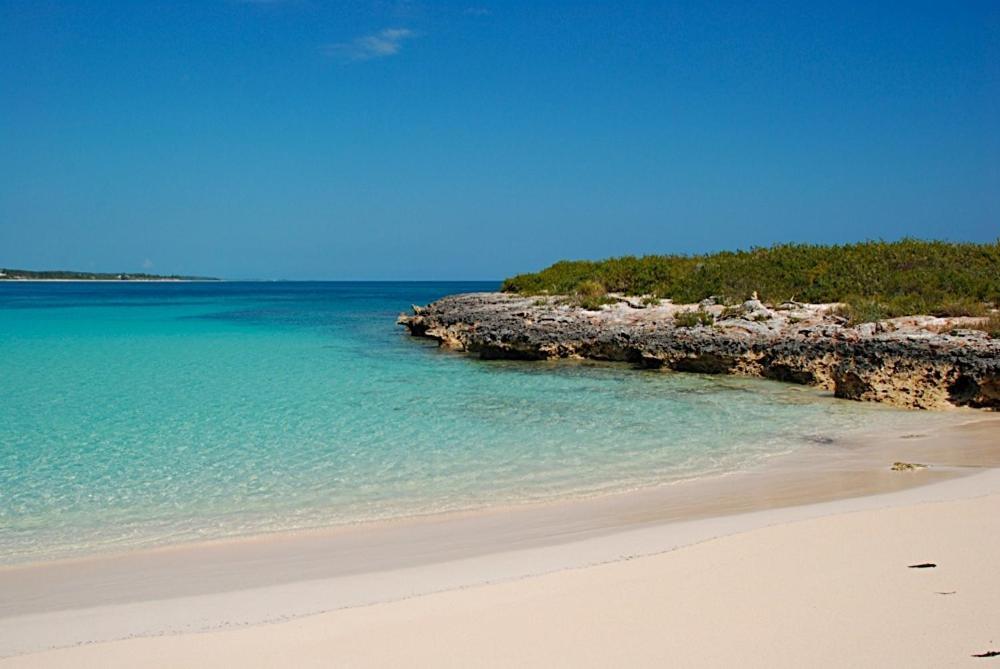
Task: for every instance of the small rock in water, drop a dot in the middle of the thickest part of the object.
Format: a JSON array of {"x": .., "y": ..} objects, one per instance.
[{"x": 907, "y": 466}]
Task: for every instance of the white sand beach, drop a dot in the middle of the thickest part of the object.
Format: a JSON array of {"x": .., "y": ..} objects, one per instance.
[
  {"x": 829, "y": 592},
  {"x": 821, "y": 584}
]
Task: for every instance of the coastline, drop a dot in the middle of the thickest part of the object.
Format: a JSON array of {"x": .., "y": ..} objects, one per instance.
[
  {"x": 272, "y": 578},
  {"x": 110, "y": 281}
]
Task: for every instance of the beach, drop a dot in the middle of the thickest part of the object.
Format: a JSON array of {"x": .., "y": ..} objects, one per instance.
[
  {"x": 453, "y": 334},
  {"x": 830, "y": 592},
  {"x": 217, "y": 462},
  {"x": 768, "y": 575}
]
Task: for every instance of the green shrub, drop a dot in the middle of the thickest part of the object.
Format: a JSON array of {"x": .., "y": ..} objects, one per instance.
[
  {"x": 859, "y": 309},
  {"x": 592, "y": 303},
  {"x": 862, "y": 310},
  {"x": 590, "y": 289},
  {"x": 904, "y": 277},
  {"x": 957, "y": 306},
  {"x": 590, "y": 295},
  {"x": 693, "y": 318},
  {"x": 734, "y": 311}
]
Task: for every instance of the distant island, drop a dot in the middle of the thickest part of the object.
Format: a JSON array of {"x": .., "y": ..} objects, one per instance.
[{"x": 65, "y": 275}]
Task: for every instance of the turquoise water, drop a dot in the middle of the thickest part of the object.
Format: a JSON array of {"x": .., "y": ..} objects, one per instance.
[{"x": 142, "y": 414}]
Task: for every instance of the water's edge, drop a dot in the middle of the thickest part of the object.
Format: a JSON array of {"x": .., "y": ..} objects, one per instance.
[{"x": 272, "y": 579}]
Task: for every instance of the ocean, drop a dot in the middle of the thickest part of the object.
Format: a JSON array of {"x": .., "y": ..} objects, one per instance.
[{"x": 142, "y": 414}]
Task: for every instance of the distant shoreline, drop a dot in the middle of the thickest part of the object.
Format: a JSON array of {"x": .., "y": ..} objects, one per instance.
[
  {"x": 8, "y": 273},
  {"x": 20, "y": 280}
]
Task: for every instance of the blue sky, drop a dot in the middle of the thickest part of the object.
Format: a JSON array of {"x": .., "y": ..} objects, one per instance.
[{"x": 464, "y": 140}]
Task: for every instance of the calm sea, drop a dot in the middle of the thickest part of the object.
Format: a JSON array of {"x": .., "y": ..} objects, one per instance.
[{"x": 141, "y": 414}]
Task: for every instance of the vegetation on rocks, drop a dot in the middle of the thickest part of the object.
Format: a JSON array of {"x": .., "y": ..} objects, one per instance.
[
  {"x": 590, "y": 295},
  {"x": 693, "y": 318},
  {"x": 875, "y": 279},
  {"x": 858, "y": 309}
]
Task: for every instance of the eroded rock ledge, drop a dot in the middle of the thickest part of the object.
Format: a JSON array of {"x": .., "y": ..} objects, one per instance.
[{"x": 920, "y": 362}]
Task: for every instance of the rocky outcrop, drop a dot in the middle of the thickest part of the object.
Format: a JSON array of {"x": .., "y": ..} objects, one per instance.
[{"x": 919, "y": 362}]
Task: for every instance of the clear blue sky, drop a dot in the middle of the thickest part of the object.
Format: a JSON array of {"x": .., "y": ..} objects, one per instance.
[{"x": 380, "y": 140}]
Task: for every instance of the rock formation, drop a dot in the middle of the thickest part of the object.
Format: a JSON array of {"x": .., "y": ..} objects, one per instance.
[{"x": 920, "y": 362}]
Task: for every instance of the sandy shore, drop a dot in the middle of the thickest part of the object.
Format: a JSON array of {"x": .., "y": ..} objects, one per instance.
[
  {"x": 758, "y": 578},
  {"x": 835, "y": 591}
]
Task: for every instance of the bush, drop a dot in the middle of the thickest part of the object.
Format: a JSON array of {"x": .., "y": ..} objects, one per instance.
[
  {"x": 862, "y": 310},
  {"x": 859, "y": 309},
  {"x": 904, "y": 277},
  {"x": 734, "y": 311},
  {"x": 590, "y": 295},
  {"x": 590, "y": 289},
  {"x": 691, "y": 318},
  {"x": 958, "y": 307}
]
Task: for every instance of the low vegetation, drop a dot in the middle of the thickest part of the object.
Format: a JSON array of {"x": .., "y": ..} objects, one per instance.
[
  {"x": 870, "y": 309},
  {"x": 590, "y": 295},
  {"x": 875, "y": 280},
  {"x": 693, "y": 318}
]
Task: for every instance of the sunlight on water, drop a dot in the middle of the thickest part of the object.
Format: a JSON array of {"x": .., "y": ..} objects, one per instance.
[{"x": 142, "y": 414}]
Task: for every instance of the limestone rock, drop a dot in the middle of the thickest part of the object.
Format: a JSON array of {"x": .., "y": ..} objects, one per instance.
[{"x": 905, "y": 365}]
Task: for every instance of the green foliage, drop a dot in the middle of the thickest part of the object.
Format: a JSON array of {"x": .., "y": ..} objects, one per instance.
[
  {"x": 734, "y": 311},
  {"x": 590, "y": 289},
  {"x": 590, "y": 295},
  {"x": 693, "y": 318},
  {"x": 859, "y": 310},
  {"x": 958, "y": 306},
  {"x": 879, "y": 279}
]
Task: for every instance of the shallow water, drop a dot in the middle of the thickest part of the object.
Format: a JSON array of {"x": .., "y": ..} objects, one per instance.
[{"x": 142, "y": 414}]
